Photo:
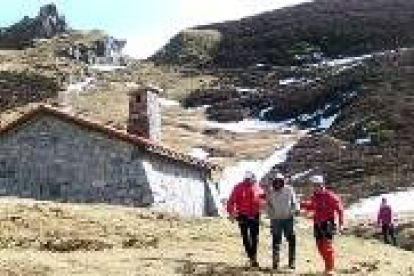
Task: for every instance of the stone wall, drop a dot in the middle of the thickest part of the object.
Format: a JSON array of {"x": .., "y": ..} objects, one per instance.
[
  {"x": 154, "y": 116},
  {"x": 50, "y": 159}
]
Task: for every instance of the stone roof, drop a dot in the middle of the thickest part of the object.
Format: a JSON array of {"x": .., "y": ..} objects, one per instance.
[{"x": 113, "y": 133}]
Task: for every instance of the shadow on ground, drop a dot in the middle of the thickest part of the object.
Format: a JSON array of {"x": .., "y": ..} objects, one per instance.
[{"x": 196, "y": 268}]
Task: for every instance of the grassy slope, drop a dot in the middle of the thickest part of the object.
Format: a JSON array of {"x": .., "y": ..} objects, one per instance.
[
  {"x": 140, "y": 242},
  {"x": 334, "y": 27}
]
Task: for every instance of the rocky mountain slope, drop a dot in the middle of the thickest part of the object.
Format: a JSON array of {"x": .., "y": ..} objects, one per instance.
[
  {"x": 41, "y": 238},
  {"x": 296, "y": 35},
  {"x": 288, "y": 66}
]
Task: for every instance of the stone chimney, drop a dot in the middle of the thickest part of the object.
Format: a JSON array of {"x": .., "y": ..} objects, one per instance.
[{"x": 144, "y": 113}]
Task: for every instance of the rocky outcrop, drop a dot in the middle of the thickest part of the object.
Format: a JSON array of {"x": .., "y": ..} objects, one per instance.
[
  {"x": 46, "y": 24},
  {"x": 103, "y": 50}
]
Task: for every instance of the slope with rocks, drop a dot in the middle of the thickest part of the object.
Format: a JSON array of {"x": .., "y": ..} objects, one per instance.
[
  {"x": 300, "y": 34},
  {"x": 287, "y": 66},
  {"x": 65, "y": 239},
  {"x": 371, "y": 140}
]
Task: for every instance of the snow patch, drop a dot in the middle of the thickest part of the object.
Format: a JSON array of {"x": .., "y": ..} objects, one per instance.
[
  {"x": 301, "y": 174},
  {"x": 106, "y": 67},
  {"x": 199, "y": 153},
  {"x": 168, "y": 103},
  {"x": 263, "y": 112},
  {"x": 131, "y": 85},
  {"x": 232, "y": 175},
  {"x": 363, "y": 141},
  {"x": 289, "y": 81},
  {"x": 245, "y": 90},
  {"x": 327, "y": 122},
  {"x": 250, "y": 126},
  {"x": 367, "y": 208},
  {"x": 347, "y": 60},
  {"x": 81, "y": 86},
  {"x": 322, "y": 123}
]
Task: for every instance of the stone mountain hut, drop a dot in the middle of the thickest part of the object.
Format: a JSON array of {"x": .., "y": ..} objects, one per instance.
[{"x": 48, "y": 154}]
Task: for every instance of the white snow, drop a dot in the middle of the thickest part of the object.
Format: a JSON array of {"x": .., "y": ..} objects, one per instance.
[
  {"x": 199, "y": 153},
  {"x": 106, "y": 67},
  {"x": 289, "y": 81},
  {"x": 203, "y": 107},
  {"x": 168, "y": 103},
  {"x": 233, "y": 175},
  {"x": 245, "y": 90},
  {"x": 249, "y": 125},
  {"x": 326, "y": 123},
  {"x": 367, "y": 208},
  {"x": 306, "y": 117},
  {"x": 81, "y": 86},
  {"x": 264, "y": 111},
  {"x": 131, "y": 84},
  {"x": 363, "y": 141},
  {"x": 301, "y": 174},
  {"x": 347, "y": 60}
]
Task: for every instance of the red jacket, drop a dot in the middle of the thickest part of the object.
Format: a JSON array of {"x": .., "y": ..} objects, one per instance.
[
  {"x": 245, "y": 199},
  {"x": 385, "y": 215},
  {"x": 324, "y": 204}
]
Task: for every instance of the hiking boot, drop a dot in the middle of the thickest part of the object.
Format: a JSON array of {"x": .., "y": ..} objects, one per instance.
[
  {"x": 292, "y": 265},
  {"x": 253, "y": 262},
  {"x": 275, "y": 263}
]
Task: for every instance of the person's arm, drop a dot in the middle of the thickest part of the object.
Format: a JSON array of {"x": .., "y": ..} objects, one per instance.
[
  {"x": 295, "y": 203},
  {"x": 262, "y": 196},
  {"x": 339, "y": 209},
  {"x": 231, "y": 203},
  {"x": 308, "y": 204}
]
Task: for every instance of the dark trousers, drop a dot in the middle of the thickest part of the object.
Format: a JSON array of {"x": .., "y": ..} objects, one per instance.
[
  {"x": 249, "y": 228},
  {"x": 388, "y": 232},
  {"x": 285, "y": 227}
]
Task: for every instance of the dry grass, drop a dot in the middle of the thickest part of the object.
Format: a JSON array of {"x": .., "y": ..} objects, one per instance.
[
  {"x": 364, "y": 228},
  {"x": 182, "y": 128},
  {"x": 143, "y": 242}
]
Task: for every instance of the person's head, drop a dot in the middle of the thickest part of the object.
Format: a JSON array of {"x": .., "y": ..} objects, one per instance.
[
  {"x": 250, "y": 177},
  {"x": 383, "y": 201},
  {"x": 278, "y": 181},
  {"x": 318, "y": 181}
]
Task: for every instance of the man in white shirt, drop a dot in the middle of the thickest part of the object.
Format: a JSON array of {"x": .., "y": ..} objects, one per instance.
[{"x": 282, "y": 206}]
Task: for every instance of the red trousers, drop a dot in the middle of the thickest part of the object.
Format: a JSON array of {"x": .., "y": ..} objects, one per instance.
[{"x": 325, "y": 248}]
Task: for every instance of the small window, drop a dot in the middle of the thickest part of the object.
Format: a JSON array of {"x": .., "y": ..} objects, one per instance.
[{"x": 138, "y": 98}]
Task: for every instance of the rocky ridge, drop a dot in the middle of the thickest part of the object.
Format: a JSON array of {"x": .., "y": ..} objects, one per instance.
[{"x": 46, "y": 24}]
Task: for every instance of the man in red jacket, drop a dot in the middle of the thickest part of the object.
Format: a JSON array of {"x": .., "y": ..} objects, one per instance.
[
  {"x": 324, "y": 205},
  {"x": 244, "y": 205}
]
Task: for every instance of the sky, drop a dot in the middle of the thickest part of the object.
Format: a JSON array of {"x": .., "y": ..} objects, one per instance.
[{"x": 146, "y": 24}]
